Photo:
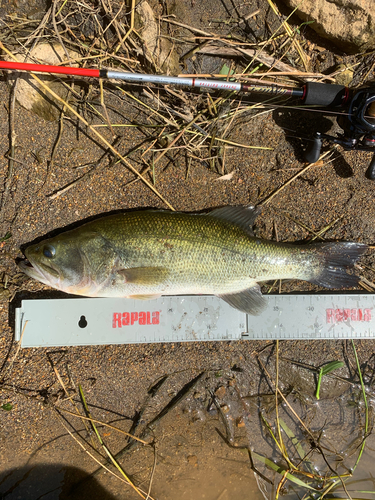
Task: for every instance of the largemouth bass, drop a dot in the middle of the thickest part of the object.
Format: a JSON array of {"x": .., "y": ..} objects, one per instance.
[{"x": 149, "y": 253}]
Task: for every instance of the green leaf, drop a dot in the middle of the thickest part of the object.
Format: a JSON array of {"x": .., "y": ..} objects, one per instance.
[
  {"x": 306, "y": 23},
  {"x": 280, "y": 470},
  {"x": 225, "y": 70},
  {"x": 324, "y": 370},
  {"x": 7, "y": 406},
  {"x": 292, "y": 437},
  {"x": 6, "y": 237},
  {"x": 366, "y": 406},
  {"x": 333, "y": 365}
]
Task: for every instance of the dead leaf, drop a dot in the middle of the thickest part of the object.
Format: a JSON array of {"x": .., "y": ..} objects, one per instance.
[{"x": 226, "y": 177}]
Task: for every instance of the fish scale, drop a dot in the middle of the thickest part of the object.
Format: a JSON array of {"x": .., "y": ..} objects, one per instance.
[
  {"x": 196, "y": 249},
  {"x": 199, "y": 249}
]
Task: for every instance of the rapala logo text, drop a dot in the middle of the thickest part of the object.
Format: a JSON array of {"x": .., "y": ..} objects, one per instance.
[
  {"x": 340, "y": 315},
  {"x": 130, "y": 318}
]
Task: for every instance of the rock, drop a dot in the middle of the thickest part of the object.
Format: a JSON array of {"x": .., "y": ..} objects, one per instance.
[
  {"x": 30, "y": 94},
  {"x": 220, "y": 392},
  {"x": 32, "y": 9},
  {"x": 240, "y": 422},
  {"x": 157, "y": 49},
  {"x": 344, "y": 75},
  {"x": 225, "y": 409},
  {"x": 350, "y": 24},
  {"x": 192, "y": 460}
]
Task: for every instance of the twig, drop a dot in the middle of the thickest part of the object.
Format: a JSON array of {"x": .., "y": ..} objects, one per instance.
[
  {"x": 107, "y": 469},
  {"x": 365, "y": 401},
  {"x": 10, "y": 366},
  {"x": 282, "y": 446},
  {"x": 232, "y": 143},
  {"x": 58, "y": 376},
  {"x": 105, "y": 448},
  {"x": 110, "y": 426},
  {"x": 127, "y": 34},
  {"x": 57, "y": 31},
  {"x": 263, "y": 57},
  {"x": 12, "y": 140},
  {"x": 152, "y": 474},
  {"x": 105, "y": 108},
  {"x": 176, "y": 138},
  {"x": 56, "y": 145},
  {"x": 290, "y": 33}
]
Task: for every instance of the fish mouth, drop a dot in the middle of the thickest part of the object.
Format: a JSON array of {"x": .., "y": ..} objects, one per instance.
[
  {"x": 36, "y": 272},
  {"x": 26, "y": 266}
]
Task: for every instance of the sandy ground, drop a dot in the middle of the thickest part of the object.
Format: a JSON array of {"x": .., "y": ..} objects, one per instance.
[{"x": 194, "y": 461}]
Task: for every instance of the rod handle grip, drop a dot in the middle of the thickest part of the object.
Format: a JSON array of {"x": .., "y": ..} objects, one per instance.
[{"x": 324, "y": 94}]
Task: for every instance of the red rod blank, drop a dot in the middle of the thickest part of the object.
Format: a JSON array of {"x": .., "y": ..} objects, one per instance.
[{"x": 45, "y": 68}]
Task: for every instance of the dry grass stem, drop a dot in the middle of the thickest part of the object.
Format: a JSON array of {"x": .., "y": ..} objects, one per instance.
[
  {"x": 107, "y": 469},
  {"x": 110, "y": 426},
  {"x": 291, "y": 34},
  {"x": 298, "y": 174},
  {"x": 12, "y": 149},
  {"x": 9, "y": 368},
  {"x": 260, "y": 56},
  {"x": 102, "y": 139}
]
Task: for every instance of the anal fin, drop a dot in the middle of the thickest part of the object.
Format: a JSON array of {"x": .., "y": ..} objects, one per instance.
[
  {"x": 250, "y": 301},
  {"x": 143, "y": 297}
]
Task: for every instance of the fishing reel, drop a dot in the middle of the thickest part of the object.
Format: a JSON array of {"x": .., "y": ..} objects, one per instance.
[{"x": 358, "y": 124}]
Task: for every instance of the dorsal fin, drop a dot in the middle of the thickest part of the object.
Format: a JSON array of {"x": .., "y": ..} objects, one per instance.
[{"x": 243, "y": 217}]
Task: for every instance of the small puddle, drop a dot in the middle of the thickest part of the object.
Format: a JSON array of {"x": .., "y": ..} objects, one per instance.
[
  {"x": 178, "y": 475},
  {"x": 203, "y": 429}
]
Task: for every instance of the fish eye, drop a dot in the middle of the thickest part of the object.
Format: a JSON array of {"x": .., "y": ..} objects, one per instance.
[{"x": 49, "y": 251}]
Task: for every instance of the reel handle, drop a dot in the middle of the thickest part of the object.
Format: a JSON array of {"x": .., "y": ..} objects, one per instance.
[
  {"x": 313, "y": 152},
  {"x": 370, "y": 172}
]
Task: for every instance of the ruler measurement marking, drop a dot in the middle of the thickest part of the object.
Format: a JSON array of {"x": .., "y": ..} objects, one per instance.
[{"x": 80, "y": 321}]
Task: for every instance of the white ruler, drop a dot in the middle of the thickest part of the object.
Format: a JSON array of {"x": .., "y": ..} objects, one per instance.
[{"x": 81, "y": 321}]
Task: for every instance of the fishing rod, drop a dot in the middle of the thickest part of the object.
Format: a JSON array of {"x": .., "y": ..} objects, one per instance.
[{"x": 357, "y": 123}]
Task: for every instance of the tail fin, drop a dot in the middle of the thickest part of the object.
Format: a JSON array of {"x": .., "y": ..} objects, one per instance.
[{"x": 335, "y": 259}]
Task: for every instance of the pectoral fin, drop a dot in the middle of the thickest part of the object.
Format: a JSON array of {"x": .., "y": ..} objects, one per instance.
[
  {"x": 144, "y": 275},
  {"x": 250, "y": 301}
]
